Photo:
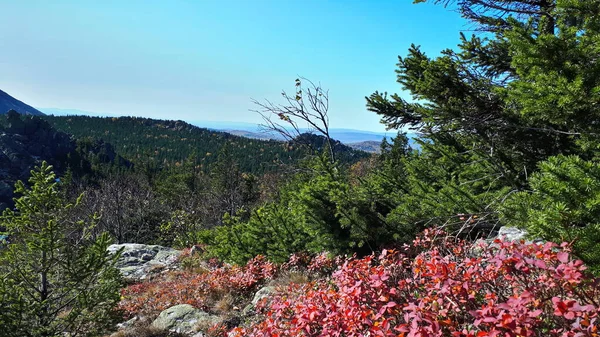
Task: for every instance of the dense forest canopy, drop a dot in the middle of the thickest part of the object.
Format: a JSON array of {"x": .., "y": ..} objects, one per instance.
[{"x": 169, "y": 143}]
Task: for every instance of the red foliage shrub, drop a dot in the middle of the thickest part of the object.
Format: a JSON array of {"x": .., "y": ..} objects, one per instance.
[
  {"x": 320, "y": 264},
  {"x": 195, "y": 288},
  {"x": 506, "y": 289}
]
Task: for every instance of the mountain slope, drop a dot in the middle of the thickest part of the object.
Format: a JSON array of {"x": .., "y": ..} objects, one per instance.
[
  {"x": 7, "y": 102},
  {"x": 27, "y": 141},
  {"x": 166, "y": 143}
]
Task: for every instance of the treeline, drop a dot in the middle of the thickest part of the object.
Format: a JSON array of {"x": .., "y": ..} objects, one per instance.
[
  {"x": 163, "y": 144},
  {"x": 148, "y": 207}
]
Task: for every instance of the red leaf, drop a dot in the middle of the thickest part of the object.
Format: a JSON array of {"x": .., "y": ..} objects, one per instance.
[{"x": 563, "y": 257}]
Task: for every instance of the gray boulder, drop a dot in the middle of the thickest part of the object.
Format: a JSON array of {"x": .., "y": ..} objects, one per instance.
[
  {"x": 509, "y": 234},
  {"x": 512, "y": 233},
  {"x": 128, "y": 324},
  {"x": 184, "y": 319},
  {"x": 516, "y": 234},
  {"x": 138, "y": 262},
  {"x": 262, "y": 293},
  {"x": 259, "y": 295}
]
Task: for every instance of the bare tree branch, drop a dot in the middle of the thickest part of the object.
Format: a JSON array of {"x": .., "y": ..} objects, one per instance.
[{"x": 308, "y": 105}]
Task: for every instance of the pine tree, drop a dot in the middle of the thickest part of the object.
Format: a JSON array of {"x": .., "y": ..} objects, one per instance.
[
  {"x": 563, "y": 205},
  {"x": 55, "y": 278},
  {"x": 493, "y": 109},
  {"x": 523, "y": 92}
]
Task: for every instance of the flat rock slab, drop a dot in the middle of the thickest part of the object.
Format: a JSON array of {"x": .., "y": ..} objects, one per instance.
[
  {"x": 516, "y": 234},
  {"x": 139, "y": 261},
  {"x": 184, "y": 319},
  {"x": 512, "y": 233}
]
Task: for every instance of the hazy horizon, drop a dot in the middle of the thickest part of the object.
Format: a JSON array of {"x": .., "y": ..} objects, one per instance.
[
  {"x": 206, "y": 60},
  {"x": 217, "y": 125}
]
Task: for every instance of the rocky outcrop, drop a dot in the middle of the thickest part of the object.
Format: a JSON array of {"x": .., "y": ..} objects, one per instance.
[
  {"x": 27, "y": 141},
  {"x": 140, "y": 262},
  {"x": 184, "y": 319}
]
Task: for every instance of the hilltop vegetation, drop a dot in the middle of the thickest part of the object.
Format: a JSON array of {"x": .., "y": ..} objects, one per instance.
[{"x": 164, "y": 143}]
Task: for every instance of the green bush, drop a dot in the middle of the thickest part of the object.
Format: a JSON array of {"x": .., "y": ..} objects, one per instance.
[{"x": 314, "y": 213}]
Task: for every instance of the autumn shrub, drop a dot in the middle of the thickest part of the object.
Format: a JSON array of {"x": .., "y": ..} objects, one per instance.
[
  {"x": 438, "y": 286},
  {"x": 321, "y": 264},
  {"x": 441, "y": 287},
  {"x": 201, "y": 290},
  {"x": 303, "y": 268},
  {"x": 192, "y": 260}
]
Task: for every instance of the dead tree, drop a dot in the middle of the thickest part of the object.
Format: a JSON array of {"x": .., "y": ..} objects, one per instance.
[{"x": 308, "y": 105}]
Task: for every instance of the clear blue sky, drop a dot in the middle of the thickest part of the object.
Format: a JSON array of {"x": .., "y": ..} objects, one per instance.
[{"x": 206, "y": 59}]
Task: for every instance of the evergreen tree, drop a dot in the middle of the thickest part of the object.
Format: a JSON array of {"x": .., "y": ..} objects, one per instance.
[
  {"x": 517, "y": 95},
  {"x": 318, "y": 210},
  {"x": 492, "y": 110},
  {"x": 55, "y": 278},
  {"x": 563, "y": 205}
]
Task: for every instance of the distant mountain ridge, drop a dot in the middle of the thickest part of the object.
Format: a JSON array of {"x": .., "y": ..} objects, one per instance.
[
  {"x": 7, "y": 102},
  {"x": 251, "y": 130},
  {"x": 255, "y": 131}
]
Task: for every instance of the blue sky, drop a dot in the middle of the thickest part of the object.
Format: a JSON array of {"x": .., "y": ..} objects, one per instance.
[{"x": 205, "y": 59}]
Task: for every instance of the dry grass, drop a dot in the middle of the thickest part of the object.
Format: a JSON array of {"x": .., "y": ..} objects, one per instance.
[
  {"x": 224, "y": 305},
  {"x": 193, "y": 263},
  {"x": 289, "y": 277}
]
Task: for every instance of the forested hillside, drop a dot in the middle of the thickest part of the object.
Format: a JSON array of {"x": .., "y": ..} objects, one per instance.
[
  {"x": 26, "y": 141},
  {"x": 168, "y": 143}
]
